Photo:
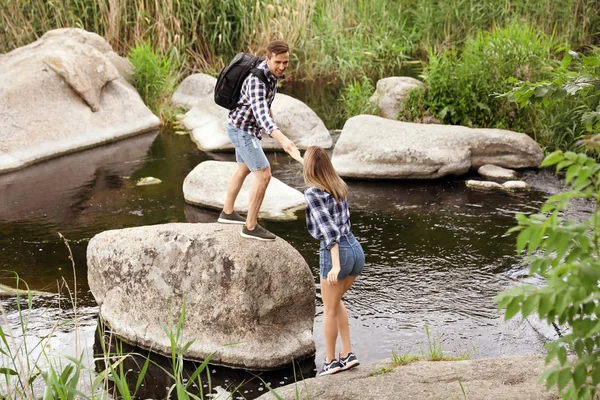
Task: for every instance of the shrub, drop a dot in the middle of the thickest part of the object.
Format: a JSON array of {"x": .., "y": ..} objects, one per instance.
[
  {"x": 566, "y": 251},
  {"x": 155, "y": 77},
  {"x": 355, "y": 97},
  {"x": 569, "y": 101},
  {"x": 461, "y": 87}
]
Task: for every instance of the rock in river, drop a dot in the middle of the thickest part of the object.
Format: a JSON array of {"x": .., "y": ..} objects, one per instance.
[
  {"x": 296, "y": 120},
  {"x": 260, "y": 295},
  {"x": 206, "y": 186},
  {"x": 65, "y": 92},
  {"x": 372, "y": 147}
]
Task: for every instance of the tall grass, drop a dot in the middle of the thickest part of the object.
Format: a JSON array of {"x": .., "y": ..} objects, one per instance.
[{"x": 339, "y": 39}]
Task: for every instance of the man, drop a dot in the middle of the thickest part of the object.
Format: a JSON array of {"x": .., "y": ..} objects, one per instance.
[{"x": 245, "y": 125}]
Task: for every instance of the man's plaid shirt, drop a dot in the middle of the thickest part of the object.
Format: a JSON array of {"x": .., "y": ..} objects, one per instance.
[
  {"x": 253, "y": 112},
  {"x": 326, "y": 219}
]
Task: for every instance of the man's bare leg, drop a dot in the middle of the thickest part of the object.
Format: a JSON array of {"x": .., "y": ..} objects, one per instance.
[
  {"x": 233, "y": 187},
  {"x": 257, "y": 194}
]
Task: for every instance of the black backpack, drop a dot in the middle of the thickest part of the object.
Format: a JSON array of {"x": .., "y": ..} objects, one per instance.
[{"x": 231, "y": 78}]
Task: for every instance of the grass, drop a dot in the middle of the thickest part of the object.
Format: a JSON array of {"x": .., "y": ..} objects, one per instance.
[
  {"x": 339, "y": 39},
  {"x": 24, "y": 363},
  {"x": 434, "y": 353},
  {"x": 156, "y": 76}
]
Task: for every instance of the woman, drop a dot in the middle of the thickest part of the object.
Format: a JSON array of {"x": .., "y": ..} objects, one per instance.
[{"x": 341, "y": 255}]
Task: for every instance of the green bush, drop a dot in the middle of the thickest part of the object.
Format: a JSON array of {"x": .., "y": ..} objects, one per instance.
[
  {"x": 355, "y": 97},
  {"x": 462, "y": 87},
  {"x": 566, "y": 252},
  {"x": 155, "y": 76},
  {"x": 568, "y": 102}
]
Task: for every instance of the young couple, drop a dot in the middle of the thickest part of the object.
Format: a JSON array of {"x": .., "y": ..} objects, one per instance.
[{"x": 327, "y": 216}]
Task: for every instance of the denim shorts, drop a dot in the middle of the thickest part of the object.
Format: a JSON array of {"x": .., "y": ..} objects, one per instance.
[
  {"x": 247, "y": 149},
  {"x": 352, "y": 258}
]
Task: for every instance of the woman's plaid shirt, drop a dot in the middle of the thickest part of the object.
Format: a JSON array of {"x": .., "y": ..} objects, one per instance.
[
  {"x": 326, "y": 219},
  {"x": 253, "y": 112}
]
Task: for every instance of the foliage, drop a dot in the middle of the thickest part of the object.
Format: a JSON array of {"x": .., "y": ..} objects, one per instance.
[
  {"x": 24, "y": 363},
  {"x": 461, "y": 85},
  {"x": 156, "y": 76},
  {"x": 403, "y": 359},
  {"x": 563, "y": 250},
  {"x": 355, "y": 97},
  {"x": 569, "y": 100},
  {"x": 341, "y": 39}
]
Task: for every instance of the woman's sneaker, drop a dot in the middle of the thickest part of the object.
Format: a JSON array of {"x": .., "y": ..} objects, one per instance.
[
  {"x": 331, "y": 367},
  {"x": 350, "y": 361}
]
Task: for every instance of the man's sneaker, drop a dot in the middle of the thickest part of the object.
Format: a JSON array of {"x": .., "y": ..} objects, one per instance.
[
  {"x": 331, "y": 367},
  {"x": 258, "y": 233},
  {"x": 233, "y": 218},
  {"x": 350, "y": 361}
]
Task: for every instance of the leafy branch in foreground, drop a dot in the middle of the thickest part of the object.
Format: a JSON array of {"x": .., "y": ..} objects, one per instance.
[
  {"x": 566, "y": 253},
  {"x": 570, "y": 100}
]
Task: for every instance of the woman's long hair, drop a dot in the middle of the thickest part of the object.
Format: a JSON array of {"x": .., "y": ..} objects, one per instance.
[{"x": 319, "y": 172}]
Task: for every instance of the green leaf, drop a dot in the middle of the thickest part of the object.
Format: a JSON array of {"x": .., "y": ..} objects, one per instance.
[
  {"x": 552, "y": 158},
  {"x": 8, "y": 371},
  {"x": 566, "y": 61},
  {"x": 564, "y": 377},
  {"x": 523, "y": 239},
  {"x": 563, "y": 164},
  {"x": 589, "y": 344},
  {"x": 551, "y": 379},
  {"x": 596, "y": 374},
  {"x": 579, "y": 347},
  {"x": 546, "y": 303},
  {"x": 513, "y": 308},
  {"x": 529, "y": 305},
  {"x": 579, "y": 375},
  {"x": 562, "y": 355}
]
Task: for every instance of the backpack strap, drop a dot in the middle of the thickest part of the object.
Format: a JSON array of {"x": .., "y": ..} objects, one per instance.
[{"x": 260, "y": 74}]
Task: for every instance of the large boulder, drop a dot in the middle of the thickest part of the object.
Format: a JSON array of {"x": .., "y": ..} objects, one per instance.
[
  {"x": 193, "y": 89},
  {"x": 372, "y": 147},
  {"x": 258, "y": 296},
  {"x": 296, "y": 120},
  {"x": 65, "y": 92},
  {"x": 391, "y": 92},
  {"x": 206, "y": 186}
]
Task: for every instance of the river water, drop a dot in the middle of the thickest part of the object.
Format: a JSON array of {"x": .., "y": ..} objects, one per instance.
[{"x": 437, "y": 252}]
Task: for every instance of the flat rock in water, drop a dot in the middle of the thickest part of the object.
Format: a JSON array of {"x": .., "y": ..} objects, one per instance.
[
  {"x": 494, "y": 379},
  {"x": 206, "y": 186},
  {"x": 506, "y": 186},
  {"x": 372, "y": 147},
  {"x": 295, "y": 119},
  {"x": 258, "y": 296},
  {"x": 391, "y": 92},
  {"x": 496, "y": 172},
  {"x": 515, "y": 185},
  {"x": 65, "y": 92},
  {"x": 193, "y": 89},
  {"x": 484, "y": 185}
]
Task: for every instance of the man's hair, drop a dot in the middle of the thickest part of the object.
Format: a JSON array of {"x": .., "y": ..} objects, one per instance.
[{"x": 277, "y": 47}]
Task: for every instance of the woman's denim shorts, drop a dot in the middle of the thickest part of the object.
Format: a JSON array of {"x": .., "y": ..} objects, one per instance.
[
  {"x": 247, "y": 149},
  {"x": 352, "y": 258}
]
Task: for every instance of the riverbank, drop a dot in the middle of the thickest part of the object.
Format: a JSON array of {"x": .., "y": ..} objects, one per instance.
[{"x": 495, "y": 378}]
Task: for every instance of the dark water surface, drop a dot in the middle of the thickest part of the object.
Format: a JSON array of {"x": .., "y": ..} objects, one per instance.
[{"x": 436, "y": 251}]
